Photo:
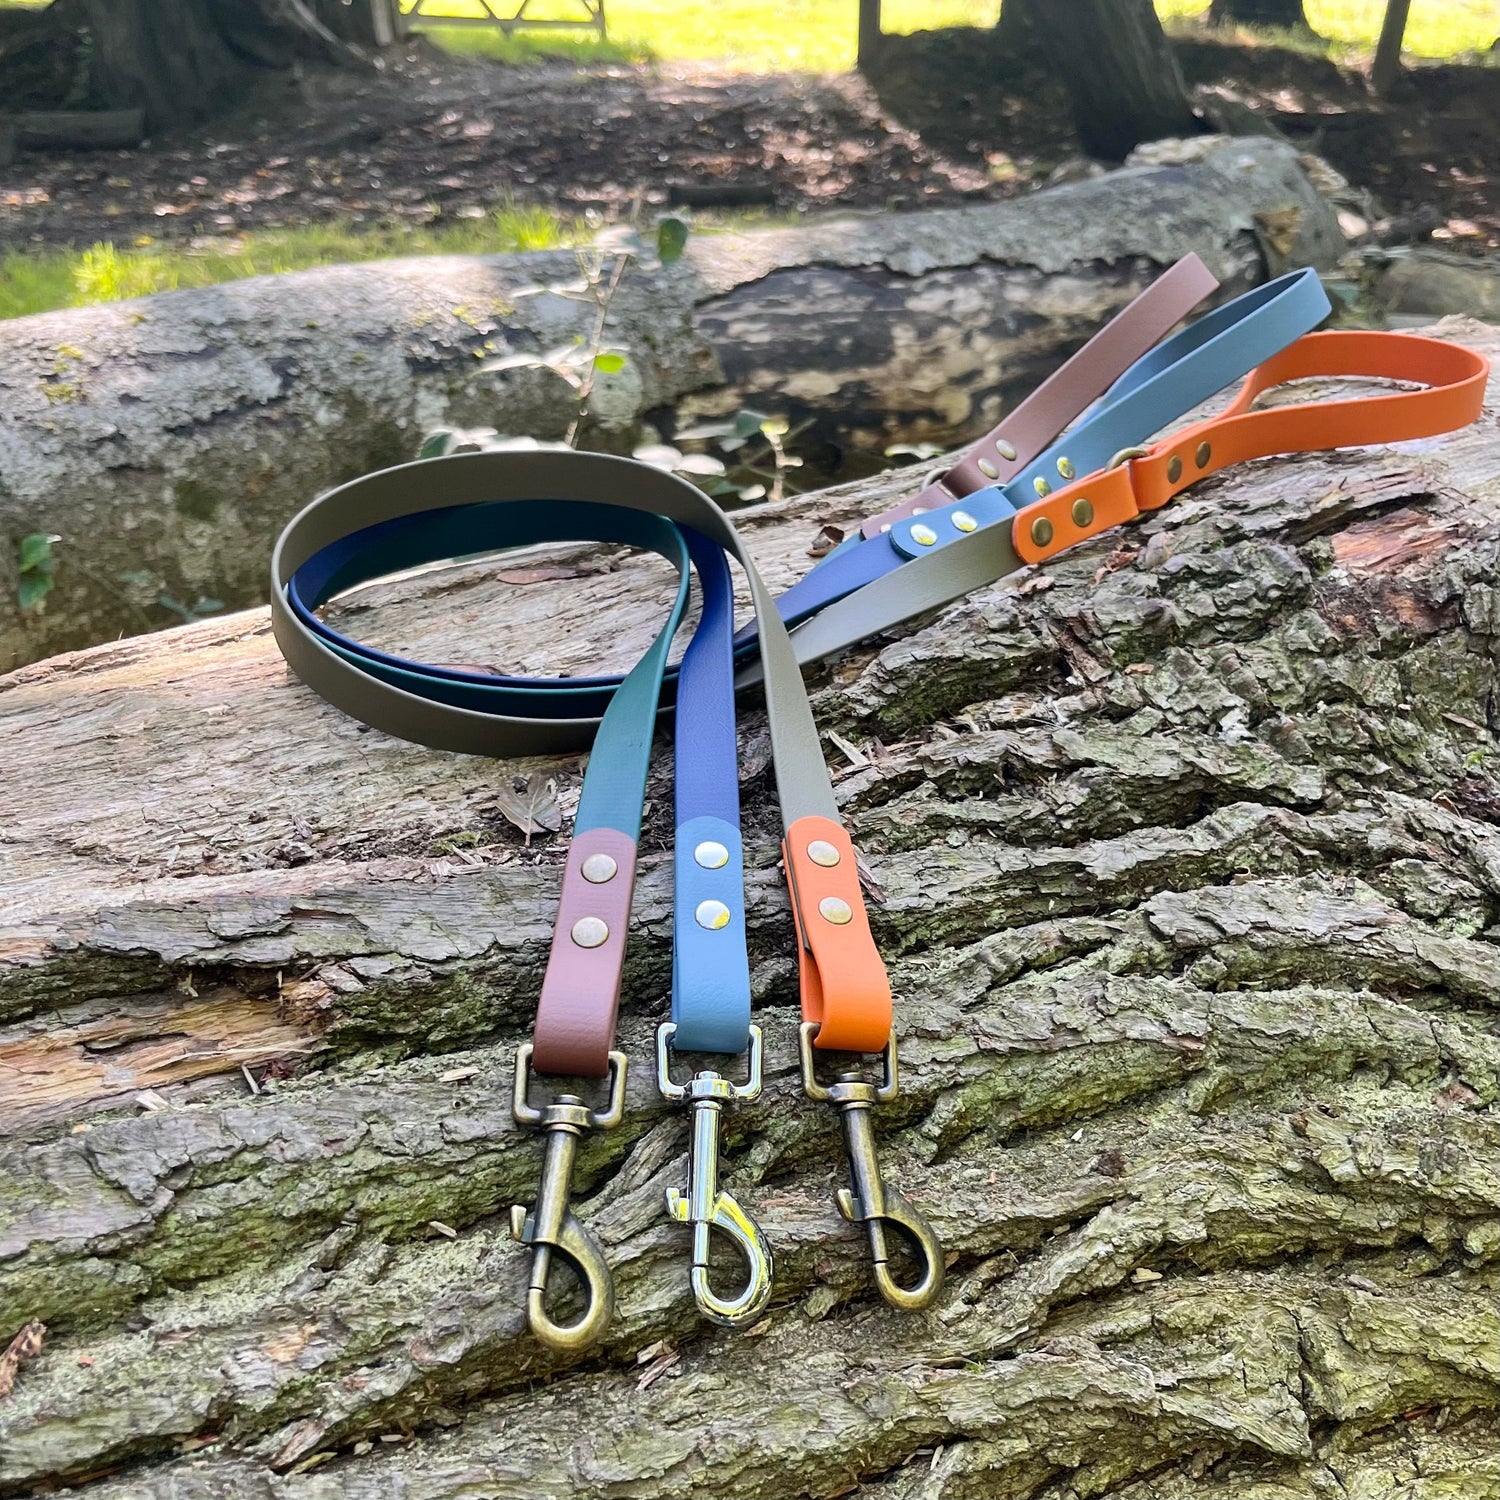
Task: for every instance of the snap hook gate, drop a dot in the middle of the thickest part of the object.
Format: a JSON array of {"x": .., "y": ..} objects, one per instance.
[
  {"x": 867, "y": 1200},
  {"x": 551, "y": 1228},
  {"x": 705, "y": 1205}
]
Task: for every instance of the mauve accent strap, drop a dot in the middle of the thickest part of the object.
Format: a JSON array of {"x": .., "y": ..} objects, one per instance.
[
  {"x": 575, "y": 1017},
  {"x": 1065, "y": 394}
]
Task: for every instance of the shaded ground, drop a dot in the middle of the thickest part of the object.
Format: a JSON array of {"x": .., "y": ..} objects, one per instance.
[{"x": 437, "y": 136}]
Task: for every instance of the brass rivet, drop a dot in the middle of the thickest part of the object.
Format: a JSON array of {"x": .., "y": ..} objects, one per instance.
[
  {"x": 1041, "y": 531},
  {"x": 590, "y": 932},
  {"x": 1204, "y": 453},
  {"x": 821, "y": 852},
  {"x": 836, "y": 910},
  {"x": 988, "y": 469},
  {"x": 598, "y": 868},
  {"x": 923, "y": 535},
  {"x": 1041, "y": 486},
  {"x": 1083, "y": 511},
  {"x": 710, "y": 855},
  {"x": 1174, "y": 469},
  {"x": 712, "y": 915},
  {"x": 1007, "y": 451},
  {"x": 964, "y": 521},
  {"x": 1065, "y": 467}
]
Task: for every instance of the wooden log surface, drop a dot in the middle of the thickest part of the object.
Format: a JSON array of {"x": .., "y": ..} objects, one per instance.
[
  {"x": 166, "y": 441},
  {"x": 1188, "y": 873}
]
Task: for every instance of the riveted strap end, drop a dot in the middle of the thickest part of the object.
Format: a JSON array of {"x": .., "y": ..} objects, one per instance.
[
  {"x": 845, "y": 988},
  {"x": 575, "y": 1019}
]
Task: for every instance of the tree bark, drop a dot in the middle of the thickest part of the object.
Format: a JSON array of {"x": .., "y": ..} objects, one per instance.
[
  {"x": 171, "y": 438},
  {"x": 1385, "y": 73},
  {"x": 1124, "y": 84},
  {"x": 184, "y": 61},
  {"x": 1289, "y": 15},
  {"x": 1186, "y": 865},
  {"x": 869, "y": 32}
]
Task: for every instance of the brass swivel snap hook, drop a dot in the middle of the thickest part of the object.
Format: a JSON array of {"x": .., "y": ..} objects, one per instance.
[
  {"x": 868, "y": 1200},
  {"x": 550, "y": 1228},
  {"x": 705, "y": 1205}
]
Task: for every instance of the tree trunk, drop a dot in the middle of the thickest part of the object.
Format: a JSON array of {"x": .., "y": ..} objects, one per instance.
[
  {"x": 1187, "y": 869},
  {"x": 869, "y": 32},
  {"x": 1289, "y": 15},
  {"x": 182, "y": 61},
  {"x": 1385, "y": 74},
  {"x": 1123, "y": 82},
  {"x": 169, "y": 440}
]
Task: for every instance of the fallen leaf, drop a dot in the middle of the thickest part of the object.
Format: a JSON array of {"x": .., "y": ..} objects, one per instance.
[
  {"x": 531, "y": 805},
  {"x": 825, "y": 541},
  {"x": 27, "y": 1344}
]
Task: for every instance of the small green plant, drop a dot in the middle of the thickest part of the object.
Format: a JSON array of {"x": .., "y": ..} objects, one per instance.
[
  {"x": 150, "y": 588},
  {"x": 36, "y": 567}
]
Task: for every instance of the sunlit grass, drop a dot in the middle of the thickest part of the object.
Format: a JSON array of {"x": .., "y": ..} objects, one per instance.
[
  {"x": 38, "y": 282},
  {"x": 1436, "y": 28},
  {"x": 776, "y": 35},
  {"x": 819, "y": 35}
]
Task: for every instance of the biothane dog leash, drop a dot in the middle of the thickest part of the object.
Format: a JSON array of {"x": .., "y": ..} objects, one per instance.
[{"x": 421, "y": 512}]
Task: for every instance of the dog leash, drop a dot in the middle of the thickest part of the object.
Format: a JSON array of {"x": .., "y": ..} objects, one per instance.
[{"x": 393, "y": 519}]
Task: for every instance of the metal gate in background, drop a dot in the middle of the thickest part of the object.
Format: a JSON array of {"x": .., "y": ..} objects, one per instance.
[{"x": 505, "y": 16}]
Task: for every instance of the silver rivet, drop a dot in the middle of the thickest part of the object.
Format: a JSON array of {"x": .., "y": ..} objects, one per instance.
[
  {"x": 1041, "y": 531},
  {"x": 590, "y": 932},
  {"x": 821, "y": 852},
  {"x": 964, "y": 521},
  {"x": 1204, "y": 453},
  {"x": 920, "y": 510},
  {"x": 836, "y": 910},
  {"x": 1007, "y": 451},
  {"x": 712, "y": 915},
  {"x": 1174, "y": 469},
  {"x": 885, "y": 526},
  {"x": 1041, "y": 486},
  {"x": 988, "y": 469},
  {"x": 924, "y": 536},
  {"x": 1083, "y": 511},
  {"x": 710, "y": 855},
  {"x": 598, "y": 868},
  {"x": 1065, "y": 467}
]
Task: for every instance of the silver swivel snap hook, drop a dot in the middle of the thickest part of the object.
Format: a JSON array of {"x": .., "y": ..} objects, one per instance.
[
  {"x": 705, "y": 1205},
  {"x": 867, "y": 1200},
  {"x": 551, "y": 1228}
]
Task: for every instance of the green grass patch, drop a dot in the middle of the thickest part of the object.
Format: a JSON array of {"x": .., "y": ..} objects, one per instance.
[
  {"x": 32, "y": 283},
  {"x": 811, "y": 36}
]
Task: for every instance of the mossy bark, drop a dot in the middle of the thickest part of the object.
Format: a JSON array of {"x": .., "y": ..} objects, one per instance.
[
  {"x": 1187, "y": 868},
  {"x": 166, "y": 441}
]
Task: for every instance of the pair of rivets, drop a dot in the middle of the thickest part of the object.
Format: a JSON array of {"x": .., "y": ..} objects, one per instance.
[
  {"x": 831, "y": 908},
  {"x": 593, "y": 932},
  {"x": 711, "y": 855}
]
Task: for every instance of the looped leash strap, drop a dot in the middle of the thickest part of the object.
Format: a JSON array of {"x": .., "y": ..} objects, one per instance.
[
  {"x": 1453, "y": 380},
  {"x": 886, "y": 579},
  {"x": 474, "y": 502},
  {"x": 1004, "y": 451}
]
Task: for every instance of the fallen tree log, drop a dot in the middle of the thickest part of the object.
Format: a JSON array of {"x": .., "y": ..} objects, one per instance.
[
  {"x": 1188, "y": 872},
  {"x": 166, "y": 441}
]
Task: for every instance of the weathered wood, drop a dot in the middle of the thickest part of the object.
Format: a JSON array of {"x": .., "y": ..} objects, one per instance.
[
  {"x": 1189, "y": 877},
  {"x": 72, "y": 129},
  {"x": 170, "y": 439}
]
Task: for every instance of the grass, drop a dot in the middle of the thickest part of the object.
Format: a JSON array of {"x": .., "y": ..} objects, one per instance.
[
  {"x": 38, "y": 282},
  {"x": 818, "y": 35},
  {"x": 774, "y": 35}
]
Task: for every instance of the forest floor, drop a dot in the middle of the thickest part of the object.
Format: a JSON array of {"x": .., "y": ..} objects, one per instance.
[{"x": 422, "y": 155}]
